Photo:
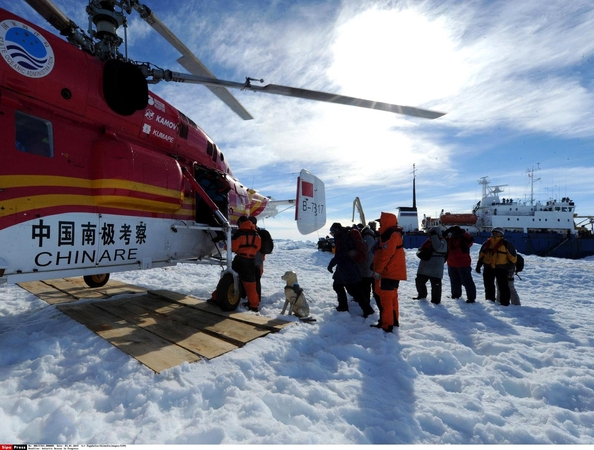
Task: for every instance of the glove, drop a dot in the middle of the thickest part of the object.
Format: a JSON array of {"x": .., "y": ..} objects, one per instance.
[
  {"x": 376, "y": 276},
  {"x": 330, "y": 268},
  {"x": 478, "y": 266},
  {"x": 432, "y": 233}
]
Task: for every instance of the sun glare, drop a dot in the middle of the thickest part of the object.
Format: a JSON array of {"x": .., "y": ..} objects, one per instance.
[{"x": 397, "y": 55}]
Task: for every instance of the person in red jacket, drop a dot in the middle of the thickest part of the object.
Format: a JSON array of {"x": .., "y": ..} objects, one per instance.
[
  {"x": 246, "y": 243},
  {"x": 459, "y": 263},
  {"x": 389, "y": 268}
]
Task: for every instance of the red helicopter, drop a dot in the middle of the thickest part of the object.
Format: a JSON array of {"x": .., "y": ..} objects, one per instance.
[{"x": 101, "y": 175}]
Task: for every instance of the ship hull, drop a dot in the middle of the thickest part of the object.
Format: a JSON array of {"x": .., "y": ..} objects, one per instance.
[
  {"x": 546, "y": 244},
  {"x": 542, "y": 244}
]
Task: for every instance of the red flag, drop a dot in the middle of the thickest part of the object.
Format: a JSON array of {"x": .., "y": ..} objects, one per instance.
[{"x": 307, "y": 189}]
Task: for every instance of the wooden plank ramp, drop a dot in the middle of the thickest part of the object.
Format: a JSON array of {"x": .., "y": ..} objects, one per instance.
[
  {"x": 67, "y": 290},
  {"x": 161, "y": 329}
]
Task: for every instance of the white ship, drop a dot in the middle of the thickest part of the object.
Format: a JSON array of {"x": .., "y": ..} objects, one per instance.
[
  {"x": 527, "y": 216},
  {"x": 534, "y": 227}
]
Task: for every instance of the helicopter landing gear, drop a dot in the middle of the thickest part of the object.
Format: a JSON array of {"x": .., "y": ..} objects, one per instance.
[
  {"x": 96, "y": 280},
  {"x": 227, "y": 298}
]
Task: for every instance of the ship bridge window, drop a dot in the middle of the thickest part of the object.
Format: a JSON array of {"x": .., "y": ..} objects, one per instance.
[{"x": 34, "y": 135}]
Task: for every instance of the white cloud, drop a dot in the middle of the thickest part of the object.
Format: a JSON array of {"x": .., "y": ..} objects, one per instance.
[{"x": 397, "y": 55}]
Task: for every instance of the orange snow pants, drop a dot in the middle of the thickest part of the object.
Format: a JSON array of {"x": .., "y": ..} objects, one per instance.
[
  {"x": 252, "y": 293},
  {"x": 389, "y": 301}
]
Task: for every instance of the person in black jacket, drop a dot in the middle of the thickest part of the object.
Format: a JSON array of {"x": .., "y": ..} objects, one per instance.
[{"x": 347, "y": 276}]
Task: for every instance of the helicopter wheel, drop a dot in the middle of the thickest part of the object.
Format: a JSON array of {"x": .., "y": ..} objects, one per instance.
[
  {"x": 96, "y": 280},
  {"x": 226, "y": 296}
]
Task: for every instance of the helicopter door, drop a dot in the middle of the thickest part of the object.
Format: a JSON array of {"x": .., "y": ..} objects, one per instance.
[{"x": 216, "y": 186}]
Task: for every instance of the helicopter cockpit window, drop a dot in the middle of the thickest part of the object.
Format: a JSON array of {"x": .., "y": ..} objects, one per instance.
[{"x": 34, "y": 135}]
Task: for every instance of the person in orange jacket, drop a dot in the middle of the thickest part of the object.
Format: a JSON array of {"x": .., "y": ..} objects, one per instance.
[
  {"x": 389, "y": 268},
  {"x": 259, "y": 261},
  {"x": 246, "y": 243}
]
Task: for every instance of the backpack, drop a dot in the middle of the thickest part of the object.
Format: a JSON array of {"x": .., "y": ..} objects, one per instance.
[
  {"x": 519, "y": 263},
  {"x": 267, "y": 242},
  {"x": 425, "y": 251},
  {"x": 485, "y": 247},
  {"x": 360, "y": 253}
]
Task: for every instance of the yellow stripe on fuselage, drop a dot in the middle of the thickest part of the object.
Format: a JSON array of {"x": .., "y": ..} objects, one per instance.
[
  {"x": 25, "y": 204},
  {"x": 34, "y": 201},
  {"x": 8, "y": 181}
]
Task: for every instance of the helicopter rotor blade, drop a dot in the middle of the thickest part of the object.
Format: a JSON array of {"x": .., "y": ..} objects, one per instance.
[
  {"x": 296, "y": 92},
  {"x": 193, "y": 65},
  {"x": 189, "y": 61},
  {"x": 345, "y": 100},
  {"x": 60, "y": 21},
  {"x": 50, "y": 12}
]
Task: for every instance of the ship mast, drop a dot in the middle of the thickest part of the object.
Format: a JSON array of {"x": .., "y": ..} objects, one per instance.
[
  {"x": 414, "y": 172},
  {"x": 485, "y": 183},
  {"x": 532, "y": 180}
]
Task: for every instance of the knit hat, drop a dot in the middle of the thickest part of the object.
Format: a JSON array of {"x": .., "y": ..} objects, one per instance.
[
  {"x": 497, "y": 230},
  {"x": 335, "y": 227}
]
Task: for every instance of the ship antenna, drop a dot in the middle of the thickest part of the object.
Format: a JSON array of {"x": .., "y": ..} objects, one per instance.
[
  {"x": 532, "y": 180},
  {"x": 414, "y": 172}
]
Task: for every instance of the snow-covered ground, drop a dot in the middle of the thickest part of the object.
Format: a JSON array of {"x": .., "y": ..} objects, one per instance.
[{"x": 453, "y": 373}]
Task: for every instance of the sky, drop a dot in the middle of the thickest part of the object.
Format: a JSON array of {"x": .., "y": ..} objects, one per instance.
[
  {"x": 453, "y": 373},
  {"x": 513, "y": 77}
]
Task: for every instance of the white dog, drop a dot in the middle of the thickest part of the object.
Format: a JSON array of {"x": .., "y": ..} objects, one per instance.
[{"x": 294, "y": 296}]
